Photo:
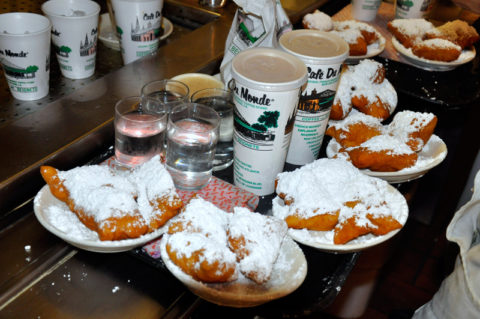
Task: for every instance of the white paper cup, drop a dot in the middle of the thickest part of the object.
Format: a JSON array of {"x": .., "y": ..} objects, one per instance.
[
  {"x": 138, "y": 27},
  {"x": 411, "y": 9},
  {"x": 323, "y": 53},
  {"x": 74, "y": 35},
  {"x": 25, "y": 54},
  {"x": 365, "y": 10},
  {"x": 267, "y": 84}
]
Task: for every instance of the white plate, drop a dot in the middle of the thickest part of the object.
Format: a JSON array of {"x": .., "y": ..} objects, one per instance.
[
  {"x": 108, "y": 35},
  {"x": 45, "y": 200},
  {"x": 432, "y": 154},
  {"x": 431, "y": 65},
  {"x": 373, "y": 49},
  {"x": 320, "y": 239},
  {"x": 288, "y": 274}
]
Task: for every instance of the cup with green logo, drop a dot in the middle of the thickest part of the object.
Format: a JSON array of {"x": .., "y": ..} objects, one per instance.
[
  {"x": 25, "y": 54},
  {"x": 74, "y": 35},
  {"x": 138, "y": 25}
]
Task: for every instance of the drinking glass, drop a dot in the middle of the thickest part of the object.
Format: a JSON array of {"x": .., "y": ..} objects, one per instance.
[
  {"x": 192, "y": 136},
  {"x": 222, "y": 102},
  {"x": 139, "y": 132},
  {"x": 170, "y": 92}
]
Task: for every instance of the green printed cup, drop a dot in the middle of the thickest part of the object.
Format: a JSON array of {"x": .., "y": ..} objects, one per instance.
[{"x": 25, "y": 54}]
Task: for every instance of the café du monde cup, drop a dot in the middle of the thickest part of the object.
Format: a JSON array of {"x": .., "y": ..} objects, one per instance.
[
  {"x": 25, "y": 54},
  {"x": 323, "y": 53},
  {"x": 267, "y": 85},
  {"x": 412, "y": 9},
  {"x": 365, "y": 10},
  {"x": 138, "y": 25},
  {"x": 74, "y": 35}
]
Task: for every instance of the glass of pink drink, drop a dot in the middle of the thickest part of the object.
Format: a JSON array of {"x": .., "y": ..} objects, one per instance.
[{"x": 140, "y": 125}]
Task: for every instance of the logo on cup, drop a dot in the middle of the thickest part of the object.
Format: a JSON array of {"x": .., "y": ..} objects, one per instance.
[{"x": 148, "y": 31}]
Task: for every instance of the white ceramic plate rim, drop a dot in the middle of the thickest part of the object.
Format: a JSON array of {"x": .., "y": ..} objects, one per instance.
[
  {"x": 255, "y": 294},
  {"x": 406, "y": 175},
  {"x": 44, "y": 199},
  {"x": 465, "y": 57},
  {"x": 356, "y": 246}
]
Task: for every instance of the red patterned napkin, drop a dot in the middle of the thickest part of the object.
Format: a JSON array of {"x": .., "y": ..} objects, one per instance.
[{"x": 224, "y": 195}]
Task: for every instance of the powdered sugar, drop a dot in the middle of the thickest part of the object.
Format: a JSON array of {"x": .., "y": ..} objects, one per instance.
[
  {"x": 260, "y": 237},
  {"x": 263, "y": 236},
  {"x": 102, "y": 192},
  {"x": 391, "y": 144},
  {"x": 439, "y": 43},
  {"x": 415, "y": 28},
  {"x": 318, "y": 21},
  {"x": 343, "y": 183},
  {"x": 62, "y": 218},
  {"x": 358, "y": 81}
]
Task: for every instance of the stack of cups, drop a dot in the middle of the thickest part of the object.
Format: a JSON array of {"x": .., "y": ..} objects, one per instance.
[
  {"x": 74, "y": 35},
  {"x": 266, "y": 90},
  {"x": 138, "y": 24},
  {"x": 323, "y": 53},
  {"x": 25, "y": 54}
]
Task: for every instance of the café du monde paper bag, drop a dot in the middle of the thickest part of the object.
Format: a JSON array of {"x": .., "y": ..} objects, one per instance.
[{"x": 257, "y": 23}]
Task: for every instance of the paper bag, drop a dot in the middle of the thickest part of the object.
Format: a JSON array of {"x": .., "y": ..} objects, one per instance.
[{"x": 257, "y": 23}]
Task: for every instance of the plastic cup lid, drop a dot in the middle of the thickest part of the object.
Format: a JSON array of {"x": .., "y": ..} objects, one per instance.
[
  {"x": 314, "y": 46},
  {"x": 269, "y": 69}
]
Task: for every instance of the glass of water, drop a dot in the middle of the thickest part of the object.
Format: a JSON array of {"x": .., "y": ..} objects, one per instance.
[
  {"x": 221, "y": 101},
  {"x": 192, "y": 136},
  {"x": 139, "y": 133},
  {"x": 170, "y": 92}
]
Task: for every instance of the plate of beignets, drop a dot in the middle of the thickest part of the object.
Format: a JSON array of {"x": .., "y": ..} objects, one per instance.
[
  {"x": 239, "y": 259},
  {"x": 403, "y": 150},
  {"x": 441, "y": 48},
  {"x": 363, "y": 39},
  {"x": 99, "y": 209},
  {"x": 330, "y": 205}
]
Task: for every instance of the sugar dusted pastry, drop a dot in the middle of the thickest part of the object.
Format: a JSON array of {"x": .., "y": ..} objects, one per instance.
[
  {"x": 198, "y": 242},
  {"x": 457, "y": 32},
  {"x": 368, "y": 32},
  {"x": 414, "y": 128},
  {"x": 365, "y": 205},
  {"x": 356, "y": 42},
  {"x": 212, "y": 245},
  {"x": 382, "y": 153},
  {"x": 317, "y": 20},
  {"x": 102, "y": 201},
  {"x": 110, "y": 203},
  {"x": 364, "y": 87},
  {"x": 354, "y": 129},
  {"x": 256, "y": 241},
  {"x": 156, "y": 193},
  {"x": 410, "y": 31},
  {"x": 437, "y": 50}
]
